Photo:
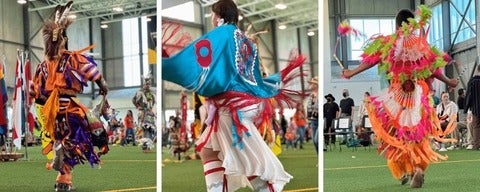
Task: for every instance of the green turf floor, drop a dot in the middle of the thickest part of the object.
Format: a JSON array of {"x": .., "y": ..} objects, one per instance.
[
  {"x": 123, "y": 169},
  {"x": 188, "y": 175},
  {"x": 364, "y": 170}
]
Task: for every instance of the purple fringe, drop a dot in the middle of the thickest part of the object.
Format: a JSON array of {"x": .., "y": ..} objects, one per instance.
[
  {"x": 90, "y": 59},
  {"x": 81, "y": 140},
  {"x": 68, "y": 78}
]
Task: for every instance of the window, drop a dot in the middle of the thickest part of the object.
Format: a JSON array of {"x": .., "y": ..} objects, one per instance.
[
  {"x": 457, "y": 9},
  {"x": 368, "y": 27},
  {"x": 435, "y": 36},
  {"x": 131, "y": 51}
]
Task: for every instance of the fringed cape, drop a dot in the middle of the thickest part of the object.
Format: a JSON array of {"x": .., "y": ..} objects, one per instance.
[
  {"x": 223, "y": 65},
  {"x": 403, "y": 117}
]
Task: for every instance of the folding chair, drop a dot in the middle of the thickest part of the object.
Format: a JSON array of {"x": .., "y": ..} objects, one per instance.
[
  {"x": 368, "y": 126},
  {"x": 343, "y": 127}
]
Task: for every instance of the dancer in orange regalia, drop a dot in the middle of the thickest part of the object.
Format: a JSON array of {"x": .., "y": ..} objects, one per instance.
[
  {"x": 403, "y": 116},
  {"x": 57, "y": 81}
]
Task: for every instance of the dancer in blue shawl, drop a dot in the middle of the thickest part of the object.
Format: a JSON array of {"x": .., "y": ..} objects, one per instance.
[{"x": 223, "y": 66}]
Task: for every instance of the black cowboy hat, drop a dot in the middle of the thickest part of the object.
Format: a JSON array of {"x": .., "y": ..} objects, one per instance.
[{"x": 331, "y": 96}]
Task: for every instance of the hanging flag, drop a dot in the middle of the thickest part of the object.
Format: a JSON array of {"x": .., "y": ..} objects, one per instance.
[
  {"x": 3, "y": 101},
  {"x": 29, "y": 100},
  {"x": 18, "y": 115},
  {"x": 27, "y": 78},
  {"x": 183, "y": 128}
]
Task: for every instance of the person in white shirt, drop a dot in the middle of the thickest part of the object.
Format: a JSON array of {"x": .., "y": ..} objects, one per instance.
[
  {"x": 447, "y": 111},
  {"x": 362, "y": 111}
]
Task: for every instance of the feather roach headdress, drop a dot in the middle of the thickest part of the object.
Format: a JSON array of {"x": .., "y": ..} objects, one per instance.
[
  {"x": 147, "y": 78},
  {"x": 55, "y": 31}
]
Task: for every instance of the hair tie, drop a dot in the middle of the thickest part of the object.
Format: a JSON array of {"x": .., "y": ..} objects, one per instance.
[{"x": 55, "y": 34}]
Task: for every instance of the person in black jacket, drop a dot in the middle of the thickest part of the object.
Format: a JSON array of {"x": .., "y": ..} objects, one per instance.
[
  {"x": 330, "y": 112},
  {"x": 472, "y": 103},
  {"x": 283, "y": 126}
]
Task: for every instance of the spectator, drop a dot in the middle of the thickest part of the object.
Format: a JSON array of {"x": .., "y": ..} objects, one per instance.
[
  {"x": 283, "y": 126},
  {"x": 113, "y": 122},
  {"x": 312, "y": 110},
  {"x": 113, "y": 135},
  {"x": 331, "y": 111},
  {"x": 290, "y": 135},
  {"x": 129, "y": 128},
  {"x": 301, "y": 123},
  {"x": 362, "y": 111},
  {"x": 347, "y": 106},
  {"x": 121, "y": 136},
  {"x": 447, "y": 111},
  {"x": 363, "y": 135},
  {"x": 472, "y": 103},
  {"x": 462, "y": 120}
]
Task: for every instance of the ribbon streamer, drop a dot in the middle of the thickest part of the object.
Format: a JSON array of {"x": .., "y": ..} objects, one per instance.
[
  {"x": 335, "y": 55},
  {"x": 463, "y": 70},
  {"x": 344, "y": 29}
]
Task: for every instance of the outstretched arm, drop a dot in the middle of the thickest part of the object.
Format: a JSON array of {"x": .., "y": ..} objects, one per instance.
[
  {"x": 348, "y": 73},
  {"x": 452, "y": 83},
  {"x": 103, "y": 86}
]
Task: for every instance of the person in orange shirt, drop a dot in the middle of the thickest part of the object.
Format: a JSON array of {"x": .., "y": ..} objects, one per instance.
[
  {"x": 129, "y": 126},
  {"x": 301, "y": 122},
  {"x": 290, "y": 134}
]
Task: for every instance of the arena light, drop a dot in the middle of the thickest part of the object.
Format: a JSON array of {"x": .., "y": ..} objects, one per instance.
[
  {"x": 118, "y": 9},
  {"x": 22, "y": 2},
  {"x": 72, "y": 16},
  {"x": 280, "y": 5},
  {"x": 104, "y": 26},
  {"x": 282, "y": 26}
]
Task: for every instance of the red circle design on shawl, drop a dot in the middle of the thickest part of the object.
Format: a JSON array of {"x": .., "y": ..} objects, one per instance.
[{"x": 202, "y": 59}]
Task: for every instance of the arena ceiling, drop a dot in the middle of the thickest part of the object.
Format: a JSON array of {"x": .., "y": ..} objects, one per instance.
[
  {"x": 297, "y": 14},
  {"x": 106, "y": 10}
]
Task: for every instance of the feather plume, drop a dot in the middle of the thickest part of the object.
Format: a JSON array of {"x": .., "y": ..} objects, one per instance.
[
  {"x": 57, "y": 13},
  {"x": 344, "y": 29},
  {"x": 50, "y": 46},
  {"x": 66, "y": 11}
]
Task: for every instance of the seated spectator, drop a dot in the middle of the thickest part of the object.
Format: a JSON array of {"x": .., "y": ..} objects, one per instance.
[
  {"x": 363, "y": 135},
  {"x": 290, "y": 136}
]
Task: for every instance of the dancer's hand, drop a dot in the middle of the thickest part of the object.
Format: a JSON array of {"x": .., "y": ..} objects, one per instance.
[
  {"x": 452, "y": 83},
  {"x": 102, "y": 85},
  {"x": 103, "y": 91},
  {"x": 347, "y": 73}
]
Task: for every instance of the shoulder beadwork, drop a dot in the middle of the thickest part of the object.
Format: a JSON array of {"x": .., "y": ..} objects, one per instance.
[{"x": 245, "y": 57}]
